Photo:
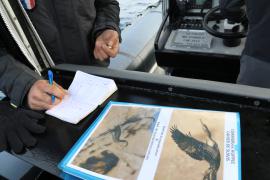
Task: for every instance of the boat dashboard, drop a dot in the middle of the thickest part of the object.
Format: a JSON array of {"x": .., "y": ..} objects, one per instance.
[{"x": 187, "y": 49}]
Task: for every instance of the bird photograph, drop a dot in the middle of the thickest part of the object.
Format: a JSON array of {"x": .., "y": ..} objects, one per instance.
[
  {"x": 193, "y": 146},
  {"x": 118, "y": 145}
]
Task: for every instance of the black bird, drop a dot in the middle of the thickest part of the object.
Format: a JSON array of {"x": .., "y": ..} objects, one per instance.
[{"x": 199, "y": 150}]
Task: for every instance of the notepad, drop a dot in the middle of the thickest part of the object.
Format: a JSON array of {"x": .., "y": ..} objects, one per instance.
[{"x": 85, "y": 94}]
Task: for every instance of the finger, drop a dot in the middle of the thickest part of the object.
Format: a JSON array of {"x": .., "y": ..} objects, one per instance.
[
  {"x": 34, "y": 127},
  {"x": 26, "y": 137},
  {"x": 98, "y": 51},
  {"x": 56, "y": 101},
  {"x": 54, "y": 90},
  {"x": 111, "y": 52},
  {"x": 110, "y": 44},
  {"x": 38, "y": 94},
  {"x": 61, "y": 88},
  {"x": 42, "y": 95},
  {"x": 102, "y": 55},
  {"x": 96, "y": 54},
  {"x": 54, "y": 87},
  {"x": 14, "y": 142},
  {"x": 112, "y": 39},
  {"x": 47, "y": 100},
  {"x": 39, "y": 104},
  {"x": 3, "y": 141}
]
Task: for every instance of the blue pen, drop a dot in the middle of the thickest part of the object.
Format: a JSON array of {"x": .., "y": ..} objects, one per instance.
[{"x": 50, "y": 76}]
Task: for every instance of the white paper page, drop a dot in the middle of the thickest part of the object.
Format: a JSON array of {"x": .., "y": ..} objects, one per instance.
[
  {"x": 90, "y": 88},
  {"x": 85, "y": 93}
]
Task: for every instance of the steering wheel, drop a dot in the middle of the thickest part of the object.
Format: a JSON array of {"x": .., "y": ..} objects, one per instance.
[{"x": 216, "y": 33}]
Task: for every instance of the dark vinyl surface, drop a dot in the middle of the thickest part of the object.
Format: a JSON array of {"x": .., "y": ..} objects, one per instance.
[{"x": 60, "y": 136}]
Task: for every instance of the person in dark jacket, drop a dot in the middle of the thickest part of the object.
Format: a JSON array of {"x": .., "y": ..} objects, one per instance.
[
  {"x": 18, "y": 82},
  {"x": 255, "y": 60},
  {"x": 82, "y": 32},
  {"x": 25, "y": 89}
]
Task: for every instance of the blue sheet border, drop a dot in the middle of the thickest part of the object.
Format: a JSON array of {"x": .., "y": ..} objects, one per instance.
[
  {"x": 67, "y": 158},
  {"x": 239, "y": 147}
]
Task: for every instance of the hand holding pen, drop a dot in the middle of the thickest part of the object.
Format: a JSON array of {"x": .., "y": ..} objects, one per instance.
[{"x": 43, "y": 95}]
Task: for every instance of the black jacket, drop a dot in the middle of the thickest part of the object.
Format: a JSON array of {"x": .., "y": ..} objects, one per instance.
[
  {"x": 16, "y": 79},
  {"x": 69, "y": 28},
  {"x": 258, "y": 13},
  {"x": 258, "y": 38}
]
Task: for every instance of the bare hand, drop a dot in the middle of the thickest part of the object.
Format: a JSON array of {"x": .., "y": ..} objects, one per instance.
[
  {"x": 39, "y": 96},
  {"x": 107, "y": 45}
]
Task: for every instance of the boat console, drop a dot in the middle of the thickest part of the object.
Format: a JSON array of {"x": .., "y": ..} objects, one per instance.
[{"x": 195, "y": 41}]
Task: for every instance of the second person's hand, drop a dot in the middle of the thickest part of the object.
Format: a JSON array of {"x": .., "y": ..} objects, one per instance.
[
  {"x": 39, "y": 96},
  {"x": 107, "y": 45}
]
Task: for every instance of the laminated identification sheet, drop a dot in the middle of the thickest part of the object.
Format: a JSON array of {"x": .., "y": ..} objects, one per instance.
[{"x": 136, "y": 141}]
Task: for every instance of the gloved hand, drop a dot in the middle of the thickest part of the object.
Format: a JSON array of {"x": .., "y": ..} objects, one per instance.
[{"x": 16, "y": 126}]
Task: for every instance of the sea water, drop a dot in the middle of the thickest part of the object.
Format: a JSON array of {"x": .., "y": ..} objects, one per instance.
[{"x": 130, "y": 10}]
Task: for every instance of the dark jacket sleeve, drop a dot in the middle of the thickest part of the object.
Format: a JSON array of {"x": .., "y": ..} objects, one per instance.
[
  {"x": 107, "y": 16},
  {"x": 15, "y": 79},
  {"x": 232, "y": 9}
]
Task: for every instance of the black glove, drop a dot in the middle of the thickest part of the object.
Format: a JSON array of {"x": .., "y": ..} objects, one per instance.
[{"x": 16, "y": 126}]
